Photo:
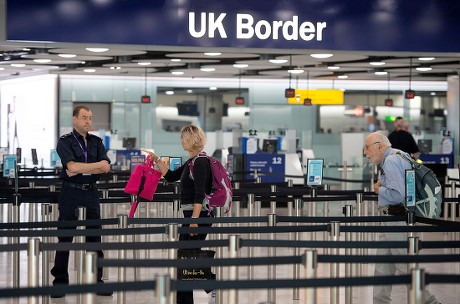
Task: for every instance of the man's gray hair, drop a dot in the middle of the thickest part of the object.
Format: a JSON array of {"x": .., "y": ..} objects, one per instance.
[{"x": 382, "y": 138}]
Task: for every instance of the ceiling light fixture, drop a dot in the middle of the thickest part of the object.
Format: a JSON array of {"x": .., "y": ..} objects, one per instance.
[
  {"x": 380, "y": 73},
  {"x": 333, "y": 67},
  {"x": 296, "y": 71},
  {"x": 144, "y": 63},
  {"x": 97, "y": 50},
  {"x": 42, "y": 60},
  {"x": 67, "y": 55},
  {"x": 342, "y": 76},
  {"x": 213, "y": 88},
  {"x": 426, "y": 58},
  {"x": 115, "y": 68},
  {"x": 18, "y": 65},
  {"x": 169, "y": 92},
  {"x": 189, "y": 91},
  {"x": 424, "y": 68},
  {"x": 176, "y": 60},
  {"x": 277, "y": 61},
  {"x": 213, "y": 54},
  {"x": 240, "y": 65},
  {"x": 207, "y": 69},
  {"x": 377, "y": 63},
  {"x": 177, "y": 73},
  {"x": 89, "y": 70},
  {"x": 321, "y": 56}
]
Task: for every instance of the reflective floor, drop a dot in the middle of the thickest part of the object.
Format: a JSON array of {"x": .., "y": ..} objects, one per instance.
[{"x": 446, "y": 293}]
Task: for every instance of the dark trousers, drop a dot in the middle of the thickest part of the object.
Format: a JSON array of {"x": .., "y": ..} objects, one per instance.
[
  {"x": 186, "y": 297},
  {"x": 69, "y": 201}
]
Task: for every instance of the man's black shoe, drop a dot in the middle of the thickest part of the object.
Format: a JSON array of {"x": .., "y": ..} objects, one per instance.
[{"x": 57, "y": 295}]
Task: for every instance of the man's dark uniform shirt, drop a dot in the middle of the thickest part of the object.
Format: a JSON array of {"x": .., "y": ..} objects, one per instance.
[{"x": 404, "y": 141}]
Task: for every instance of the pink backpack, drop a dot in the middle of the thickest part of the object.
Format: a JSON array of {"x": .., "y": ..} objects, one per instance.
[{"x": 221, "y": 194}]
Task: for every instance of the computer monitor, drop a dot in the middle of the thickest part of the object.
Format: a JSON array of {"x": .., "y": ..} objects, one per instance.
[
  {"x": 129, "y": 142},
  {"x": 270, "y": 145},
  {"x": 425, "y": 145}
]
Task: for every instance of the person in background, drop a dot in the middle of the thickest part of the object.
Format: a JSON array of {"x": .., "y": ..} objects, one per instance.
[
  {"x": 84, "y": 159},
  {"x": 391, "y": 195},
  {"x": 401, "y": 139},
  {"x": 192, "y": 190}
]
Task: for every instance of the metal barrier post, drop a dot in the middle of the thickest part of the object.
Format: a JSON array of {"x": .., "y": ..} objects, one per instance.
[
  {"x": 79, "y": 253},
  {"x": 272, "y": 253},
  {"x": 296, "y": 272},
  {"x": 173, "y": 236},
  {"x": 105, "y": 238},
  {"x": 89, "y": 275},
  {"x": 325, "y": 214},
  {"x": 413, "y": 248},
  {"x": 123, "y": 238},
  {"x": 251, "y": 235},
  {"x": 334, "y": 235},
  {"x": 359, "y": 209},
  {"x": 220, "y": 254},
  {"x": 237, "y": 209},
  {"x": 163, "y": 289},
  {"x": 310, "y": 261},
  {"x": 233, "y": 253},
  {"x": 273, "y": 202},
  {"x": 348, "y": 269},
  {"x": 45, "y": 212},
  {"x": 453, "y": 205},
  {"x": 176, "y": 203},
  {"x": 16, "y": 240},
  {"x": 416, "y": 294},
  {"x": 33, "y": 254}
]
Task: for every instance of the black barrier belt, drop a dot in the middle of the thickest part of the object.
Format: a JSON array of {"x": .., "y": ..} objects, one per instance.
[
  {"x": 208, "y": 285},
  {"x": 281, "y": 260},
  {"x": 59, "y": 224},
  {"x": 224, "y": 243},
  {"x": 437, "y": 222}
]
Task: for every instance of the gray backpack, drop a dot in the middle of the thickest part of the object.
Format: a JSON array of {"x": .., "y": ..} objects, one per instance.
[{"x": 428, "y": 189}]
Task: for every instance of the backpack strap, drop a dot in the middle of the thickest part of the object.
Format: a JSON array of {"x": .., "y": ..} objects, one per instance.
[{"x": 192, "y": 162}]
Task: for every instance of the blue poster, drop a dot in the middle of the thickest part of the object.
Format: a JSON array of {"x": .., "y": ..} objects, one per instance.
[{"x": 270, "y": 166}]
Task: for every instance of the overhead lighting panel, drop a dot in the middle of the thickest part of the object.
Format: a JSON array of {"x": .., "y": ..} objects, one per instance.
[
  {"x": 97, "y": 50},
  {"x": 321, "y": 56},
  {"x": 213, "y": 54}
]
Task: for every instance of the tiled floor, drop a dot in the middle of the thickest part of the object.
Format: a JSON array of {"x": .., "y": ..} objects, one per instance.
[{"x": 445, "y": 293}]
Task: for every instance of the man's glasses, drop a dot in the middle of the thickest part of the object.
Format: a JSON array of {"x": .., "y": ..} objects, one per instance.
[{"x": 366, "y": 147}]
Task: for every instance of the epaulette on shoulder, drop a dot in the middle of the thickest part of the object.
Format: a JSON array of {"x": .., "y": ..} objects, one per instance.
[{"x": 66, "y": 135}]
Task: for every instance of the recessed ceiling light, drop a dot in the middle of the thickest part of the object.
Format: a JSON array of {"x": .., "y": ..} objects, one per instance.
[
  {"x": 213, "y": 88},
  {"x": 89, "y": 70},
  {"x": 240, "y": 65},
  {"x": 207, "y": 69},
  {"x": 18, "y": 65},
  {"x": 278, "y": 61},
  {"x": 189, "y": 91},
  {"x": 213, "y": 54},
  {"x": 26, "y": 49},
  {"x": 321, "y": 56},
  {"x": 67, "y": 55},
  {"x": 333, "y": 67},
  {"x": 1, "y": 69},
  {"x": 381, "y": 73},
  {"x": 42, "y": 60},
  {"x": 377, "y": 63},
  {"x": 169, "y": 92},
  {"x": 426, "y": 58},
  {"x": 343, "y": 76},
  {"x": 115, "y": 68},
  {"x": 433, "y": 93},
  {"x": 177, "y": 73},
  {"x": 97, "y": 50},
  {"x": 424, "y": 69},
  {"x": 296, "y": 71},
  {"x": 176, "y": 60},
  {"x": 144, "y": 63}
]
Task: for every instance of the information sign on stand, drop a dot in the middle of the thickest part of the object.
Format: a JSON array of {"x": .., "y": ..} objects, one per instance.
[
  {"x": 9, "y": 165},
  {"x": 315, "y": 171},
  {"x": 271, "y": 166},
  {"x": 410, "y": 188}
]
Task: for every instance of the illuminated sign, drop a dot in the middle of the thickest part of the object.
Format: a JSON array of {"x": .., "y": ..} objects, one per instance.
[
  {"x": 317, "y": 97},
  {"x": 409, "y": 94}
]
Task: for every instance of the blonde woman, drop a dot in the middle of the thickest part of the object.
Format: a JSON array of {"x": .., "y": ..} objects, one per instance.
[{"x": 193, "y": 190}]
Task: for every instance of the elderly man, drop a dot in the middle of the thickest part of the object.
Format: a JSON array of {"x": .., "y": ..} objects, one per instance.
[{"x": 391, "y": 192}]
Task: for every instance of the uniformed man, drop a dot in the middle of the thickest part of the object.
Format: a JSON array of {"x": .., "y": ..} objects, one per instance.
[{"x": 84, "y": 159}]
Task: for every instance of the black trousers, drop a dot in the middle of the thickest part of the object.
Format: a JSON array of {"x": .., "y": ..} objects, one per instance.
[
  {"x": 186, "y": 297},
  {"x": 69, "y": 201}
]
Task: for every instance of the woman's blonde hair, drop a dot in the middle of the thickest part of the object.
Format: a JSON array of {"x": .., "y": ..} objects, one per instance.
[{"x": 193, "y": 138}]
